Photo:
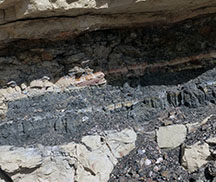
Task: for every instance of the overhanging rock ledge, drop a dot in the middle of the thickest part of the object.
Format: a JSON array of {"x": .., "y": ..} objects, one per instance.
[{"x": 60, "y": 19}]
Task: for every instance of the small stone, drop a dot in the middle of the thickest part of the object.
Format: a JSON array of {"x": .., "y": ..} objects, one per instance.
[
  {"x": 159, "y": 160},
  {"x": 45, "y": 78},
  {"x": 18, "y": 89},
  {"x": 167, "y": 122},
  {"x": 36, "y": 84},
  {"x": 11, "y": 84},
  {"x": 156, "y": 168},
  {"x": 150, "y": 173},
  {"x": 195, "y": 156},
  {"x": 165, "y": 156},
  {"x": 171, "y": 136},
  {"x": 194, "y": 126},
  {"x": 147, "y": 162},
  {"x": 165, "y": 174},
  {"x": 23, "y": 86},
  {"x": 142, "y": 162},
  {"x": 211, "y": 140},
  {"x": 133, "y": 35},
  {"x": 141, "y": 151}
]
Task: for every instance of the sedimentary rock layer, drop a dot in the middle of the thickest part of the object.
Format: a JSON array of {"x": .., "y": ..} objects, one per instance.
[
  {"x": 91, "y": 161},
  {"x": 52, "y": 92},
  {"x": 58, "y": 19},
  {"x": 60, "y": 92}
]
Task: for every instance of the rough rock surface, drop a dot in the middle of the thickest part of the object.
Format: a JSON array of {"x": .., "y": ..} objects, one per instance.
[
  {"x": 91, "y": 161},
  {"x": 67, "y": 76},
  {"x": 195, "y": 156},
  {"x": 47, "y": 19},
  {"x": 171, "y": 136}
]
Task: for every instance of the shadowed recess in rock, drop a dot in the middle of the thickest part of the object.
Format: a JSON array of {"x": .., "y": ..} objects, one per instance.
[
  {"x": 119, "y": 54},
  {"x": 53, "y": 92}
]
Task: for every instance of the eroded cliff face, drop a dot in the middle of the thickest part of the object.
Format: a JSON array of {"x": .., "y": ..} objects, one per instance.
[
  {"x": 85, "y": 83},
  {"x": 60, "y": 19}
]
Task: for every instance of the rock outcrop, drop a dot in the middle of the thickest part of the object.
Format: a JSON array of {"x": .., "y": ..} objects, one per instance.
[
  {"x": 91, "y": 161},
  {"x": 60, "y": 19},
  {"x": 75, "y": 73}
]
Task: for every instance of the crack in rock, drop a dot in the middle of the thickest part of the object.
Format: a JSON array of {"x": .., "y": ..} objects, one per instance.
[{"x": 70, "y": 162}]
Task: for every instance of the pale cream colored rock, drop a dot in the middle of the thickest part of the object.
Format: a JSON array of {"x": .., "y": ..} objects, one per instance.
[
  {"x": 3, "y": 92},
  {"x": 171, "y": 136},
  {"x": 23, "y": 86},
  {"x": 47, "y": 84},
  {"x": 121, "y": 143},
  {"x": 211, "y": 140},
  {"x": 41, "y": 84},
  {"x": 36, "y": 84},
  {"x": 3, "y": 107},
  {"x": 71, "y": 162},
  {"x": 98, "y": 163},
  {"x": 99, "y": 143},
  {"x": 64, "y": 82},
  {"x": 18, "y": 89},
  {"x": 12, "y": 160},
  {"x": 195, "y": 156},
  {"x": 194, "y": 126},
  {"x": 94, "y": 142},
  {"x": 10, "y": 90}
]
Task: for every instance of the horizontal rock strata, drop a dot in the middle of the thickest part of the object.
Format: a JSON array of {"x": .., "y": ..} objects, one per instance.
[
  {"x": 84, "y": 83},
  {"x": 62, "y": 19}
]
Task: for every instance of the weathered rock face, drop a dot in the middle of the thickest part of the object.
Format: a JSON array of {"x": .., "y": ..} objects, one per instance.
[
  {"x": 60, "y": 19},
  {"x": 74, "y": 72},
  {"x": 71, "y": 162}
]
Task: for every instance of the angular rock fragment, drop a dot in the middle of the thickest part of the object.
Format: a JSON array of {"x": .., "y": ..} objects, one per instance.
[
  {"x": 171, "y": 136},
  {"x": 195, "y": 156},
  {"x": 211, "y": 140},
  {"x": 194, "y": 126}
]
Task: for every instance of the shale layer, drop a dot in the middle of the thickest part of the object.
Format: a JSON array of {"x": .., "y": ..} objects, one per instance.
[{"x": 54, "y": 92}]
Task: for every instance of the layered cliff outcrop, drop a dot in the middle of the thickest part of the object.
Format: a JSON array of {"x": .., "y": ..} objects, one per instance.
[
  {"x": 107, "y": 90},
  {"x": 60, "y": 19}
]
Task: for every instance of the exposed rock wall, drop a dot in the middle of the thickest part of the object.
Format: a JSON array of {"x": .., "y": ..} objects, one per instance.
[
  {"x": 59, "y": 19},
  {"x": 84, "y": 83}
]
